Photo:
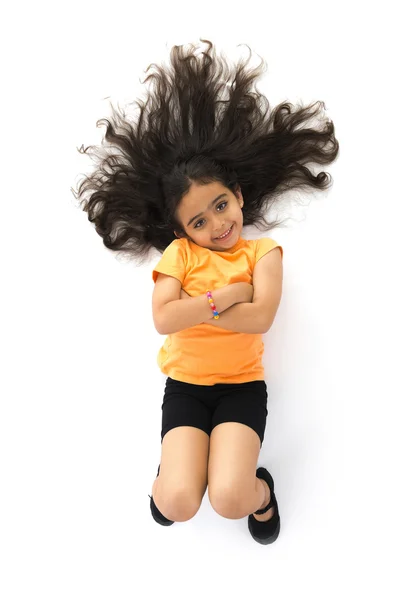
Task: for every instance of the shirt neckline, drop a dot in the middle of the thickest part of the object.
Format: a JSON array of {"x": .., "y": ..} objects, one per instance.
[{"x": 231, "y": 250}]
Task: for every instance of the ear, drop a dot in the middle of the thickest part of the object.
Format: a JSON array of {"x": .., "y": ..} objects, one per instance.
[
  {"x": 238, "y": 194},
  {"x": 180, "y": 235}
]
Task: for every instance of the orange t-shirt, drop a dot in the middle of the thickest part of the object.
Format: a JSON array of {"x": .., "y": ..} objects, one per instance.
[{"x": 205, "y": 354}]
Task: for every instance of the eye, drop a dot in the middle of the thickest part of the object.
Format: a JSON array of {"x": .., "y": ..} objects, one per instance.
[{"x": 221, "y": 204}]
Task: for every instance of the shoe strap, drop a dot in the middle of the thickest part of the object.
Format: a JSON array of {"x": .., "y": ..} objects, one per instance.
[{"x": 270, "y": 505}]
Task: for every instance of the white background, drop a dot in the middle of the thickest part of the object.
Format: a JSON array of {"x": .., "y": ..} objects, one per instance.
[{"x": 80, "y": 388}]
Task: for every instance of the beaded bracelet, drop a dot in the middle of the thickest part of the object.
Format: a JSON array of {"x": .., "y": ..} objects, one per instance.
[{"x": 212, "y": 305}]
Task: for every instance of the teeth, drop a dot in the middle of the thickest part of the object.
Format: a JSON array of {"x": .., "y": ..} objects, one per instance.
[{"x": 227, "y": 233}]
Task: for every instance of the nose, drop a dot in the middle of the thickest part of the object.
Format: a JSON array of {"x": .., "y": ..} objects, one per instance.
[{"x": 219, "y": 227}]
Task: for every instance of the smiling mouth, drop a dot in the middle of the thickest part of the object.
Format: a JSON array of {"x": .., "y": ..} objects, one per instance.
[{"x": 225, "y": 234}]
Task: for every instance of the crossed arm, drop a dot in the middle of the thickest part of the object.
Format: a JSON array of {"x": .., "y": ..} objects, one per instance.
[
  {"x": 256, "y": 316},
  {"x": 243, "y": 317}
]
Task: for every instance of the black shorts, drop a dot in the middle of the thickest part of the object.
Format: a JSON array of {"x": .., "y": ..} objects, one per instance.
[{"x": 206, "y": 406}]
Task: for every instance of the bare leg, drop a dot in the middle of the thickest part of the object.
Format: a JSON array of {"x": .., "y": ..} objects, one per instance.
[
  {"x": 233, "y": 488},
  {"x": 179, "y": 489}
]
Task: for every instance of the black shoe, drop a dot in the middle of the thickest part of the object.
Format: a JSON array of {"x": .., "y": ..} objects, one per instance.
[
  {"x": 265, "y": 532},
  {"x": 157, "y": 516}
]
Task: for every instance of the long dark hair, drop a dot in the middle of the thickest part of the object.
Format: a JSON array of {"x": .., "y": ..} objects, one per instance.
[{"x": 186, "y": 132}]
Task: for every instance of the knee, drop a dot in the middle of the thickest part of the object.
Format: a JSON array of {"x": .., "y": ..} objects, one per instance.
[
  {"x": 228, "y": 501},
  {"x": 178, "y": 504}
]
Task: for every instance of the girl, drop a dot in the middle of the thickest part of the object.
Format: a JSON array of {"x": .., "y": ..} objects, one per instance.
[{"x": 204, "y": 159}]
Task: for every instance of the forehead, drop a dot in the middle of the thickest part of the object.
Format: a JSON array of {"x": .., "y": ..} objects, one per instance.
[{"x": 199, "y": 197}]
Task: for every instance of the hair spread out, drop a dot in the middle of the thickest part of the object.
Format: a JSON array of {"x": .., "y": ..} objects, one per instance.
[{"x": 202, "y": 122}]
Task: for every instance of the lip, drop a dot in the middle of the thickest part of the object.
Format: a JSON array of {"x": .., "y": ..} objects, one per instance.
[{"x": 227, "y": 237}]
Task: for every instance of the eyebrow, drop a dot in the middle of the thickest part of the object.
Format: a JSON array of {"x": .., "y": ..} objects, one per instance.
[{"x": 209, "y": 206}]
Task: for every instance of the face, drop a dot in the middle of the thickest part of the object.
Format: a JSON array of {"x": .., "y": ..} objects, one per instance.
[{"x": 204, "y": 218}]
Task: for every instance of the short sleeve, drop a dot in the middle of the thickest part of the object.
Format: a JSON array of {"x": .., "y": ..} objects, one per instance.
[
  {"x": 265, "y": 245},
  {"x": 172, "y": 262}
]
